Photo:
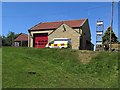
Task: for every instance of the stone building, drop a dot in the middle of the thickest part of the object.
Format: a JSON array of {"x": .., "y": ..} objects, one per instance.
[{"x": 77, "y": 30}]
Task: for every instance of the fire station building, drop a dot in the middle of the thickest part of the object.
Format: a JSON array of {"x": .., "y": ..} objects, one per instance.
[{"x": 77, "y": 30}]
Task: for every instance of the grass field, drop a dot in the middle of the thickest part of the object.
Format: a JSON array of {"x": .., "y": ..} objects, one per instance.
[{"x": 54, "y": 68}]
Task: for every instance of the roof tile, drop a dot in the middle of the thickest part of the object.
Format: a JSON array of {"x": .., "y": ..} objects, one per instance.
[
  {"x": 22, "y": 37},
  {"x": 55, "y": 25}
]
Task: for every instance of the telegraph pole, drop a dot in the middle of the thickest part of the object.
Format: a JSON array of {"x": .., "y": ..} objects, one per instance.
[{"x": 111, "y": 23}]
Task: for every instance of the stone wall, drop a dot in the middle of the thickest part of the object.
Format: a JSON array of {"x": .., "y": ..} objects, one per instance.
[{"x": 64, "y": 31}]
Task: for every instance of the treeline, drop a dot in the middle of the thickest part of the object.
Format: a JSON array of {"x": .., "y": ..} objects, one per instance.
[{"x": 8, "y": 40}]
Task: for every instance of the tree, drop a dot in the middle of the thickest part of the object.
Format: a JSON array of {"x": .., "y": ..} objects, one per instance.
[
  {"x": 0, "y": 40},
  {"x": 106, "y": 38},
  {"x": 3, "y": 40},
  {"x": 9, "y": 39}
]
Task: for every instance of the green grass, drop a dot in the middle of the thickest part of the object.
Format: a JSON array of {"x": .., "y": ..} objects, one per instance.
[{"x": 58, "y": 68}]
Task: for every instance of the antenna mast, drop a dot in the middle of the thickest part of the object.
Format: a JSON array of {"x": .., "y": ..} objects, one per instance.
[{"x": 111, "y": 23}]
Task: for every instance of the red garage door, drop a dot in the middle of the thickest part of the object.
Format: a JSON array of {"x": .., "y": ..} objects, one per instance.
[{"x": 40, "y": 40}]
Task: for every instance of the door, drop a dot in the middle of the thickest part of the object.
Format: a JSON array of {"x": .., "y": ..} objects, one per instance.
[
  {"x": 40, "y": 40},
  {"x": 17, "y": 44}
]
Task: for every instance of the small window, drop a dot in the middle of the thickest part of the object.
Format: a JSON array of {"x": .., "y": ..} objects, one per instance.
[{"x": 52, "y": 42}]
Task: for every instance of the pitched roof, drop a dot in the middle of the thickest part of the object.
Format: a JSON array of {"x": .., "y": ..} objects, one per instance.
[
  {"x": 22, "y": 37},
  {"x": 55, "y": 25}
]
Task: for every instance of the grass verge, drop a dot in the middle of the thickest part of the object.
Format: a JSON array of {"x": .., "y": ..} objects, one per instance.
[{"x": 54, "y": 68}]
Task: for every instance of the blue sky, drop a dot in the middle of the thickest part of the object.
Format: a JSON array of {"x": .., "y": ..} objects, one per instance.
[{"x": 20, "y": 16}]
